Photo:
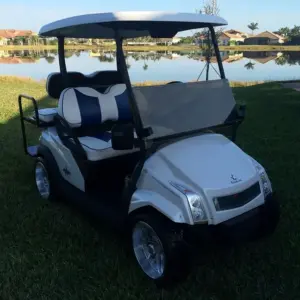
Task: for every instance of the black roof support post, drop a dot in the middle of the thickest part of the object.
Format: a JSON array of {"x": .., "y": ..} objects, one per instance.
[
  {"x": 62, "y": 61},
  {"x": 218, "y": 55},
  {"x": 141, "y": 132},
  {"x": 122, "y": 68}
]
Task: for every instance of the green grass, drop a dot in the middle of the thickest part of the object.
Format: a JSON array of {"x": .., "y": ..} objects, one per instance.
[{"x": 48, "y": 251}]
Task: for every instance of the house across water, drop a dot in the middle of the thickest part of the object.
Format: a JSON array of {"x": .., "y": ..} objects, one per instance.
[
  {"x": 17, "y": 37},
  {"x": 265, "y": 38}
]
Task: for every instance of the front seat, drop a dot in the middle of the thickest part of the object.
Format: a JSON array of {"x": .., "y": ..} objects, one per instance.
[{"x": 84, "y": 107}]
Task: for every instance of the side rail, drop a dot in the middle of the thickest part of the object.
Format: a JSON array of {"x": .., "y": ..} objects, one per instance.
[
  {"x": 31, "y": 150},
  {"x": 69, "y": 139}
]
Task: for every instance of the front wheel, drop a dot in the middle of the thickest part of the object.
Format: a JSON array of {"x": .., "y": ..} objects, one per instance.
[
  {"x": 159, "y": 250},
  {"x": 270, "y": 218}
]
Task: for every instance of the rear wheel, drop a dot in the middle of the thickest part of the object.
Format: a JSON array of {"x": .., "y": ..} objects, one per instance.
[
  {"x": 159, "y": 250},
  {"x": 46, "y": 186}
]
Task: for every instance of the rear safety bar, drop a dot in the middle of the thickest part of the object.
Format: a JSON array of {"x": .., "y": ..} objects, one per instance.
[{"x": 30, "y": 150}]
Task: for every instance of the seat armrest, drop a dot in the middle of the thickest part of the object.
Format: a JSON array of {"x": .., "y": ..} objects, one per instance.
[
  {"x": 68, "y": 138},
  {"x": 241, "y": 111}
]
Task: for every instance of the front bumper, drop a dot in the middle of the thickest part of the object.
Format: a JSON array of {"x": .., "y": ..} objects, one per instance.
[{"x": 254, "y": 224}]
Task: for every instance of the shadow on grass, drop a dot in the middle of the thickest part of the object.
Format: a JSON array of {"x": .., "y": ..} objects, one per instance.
[{"x": 48, "y": 251}]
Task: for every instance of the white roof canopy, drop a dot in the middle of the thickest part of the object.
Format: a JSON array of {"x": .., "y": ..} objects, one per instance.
[{"x": 129, "y": 24}]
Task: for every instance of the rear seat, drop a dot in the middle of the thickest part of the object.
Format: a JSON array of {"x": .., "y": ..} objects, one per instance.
[
  {"x": 47, "y": 114},
  {"x": 85, "y": 106}
]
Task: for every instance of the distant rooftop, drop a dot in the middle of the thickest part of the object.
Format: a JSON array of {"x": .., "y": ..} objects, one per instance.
[
  {"x": 270, "y": 35},
  {"x": 13, "y": 33}
]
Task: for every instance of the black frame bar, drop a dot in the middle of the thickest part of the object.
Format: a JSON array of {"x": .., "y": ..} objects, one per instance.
[
  {"x": 29, "y": 120},
  {"x": 217, "y": 50},
  {"x": 234, "y": 124},
  {"x": 34, "y": 120},
  {"x": 68, "y": 138},
  {"x": 141, "y": 133},
  {"x": 62, "y": 60}
]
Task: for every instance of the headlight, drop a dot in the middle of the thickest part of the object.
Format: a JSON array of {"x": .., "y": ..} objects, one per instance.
[
  {"x": 195, "y": 202},
  {"x": 266, "y": 184},
  {"x": 267, "y": 188}
]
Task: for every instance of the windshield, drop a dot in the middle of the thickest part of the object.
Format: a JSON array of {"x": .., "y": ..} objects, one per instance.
[{"x": 181, "y": 107}]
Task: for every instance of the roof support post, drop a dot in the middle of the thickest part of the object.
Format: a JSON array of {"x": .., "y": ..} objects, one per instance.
[
  {"x": 122, "y": 68},
  {"x": 62, "y": 61},
  {"x": 218, "y": 55}
]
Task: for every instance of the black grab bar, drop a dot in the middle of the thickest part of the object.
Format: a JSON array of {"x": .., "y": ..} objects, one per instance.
[{"x": 35, "y": 121}]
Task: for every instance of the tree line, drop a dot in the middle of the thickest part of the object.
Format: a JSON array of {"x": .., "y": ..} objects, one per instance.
[{"x": 289, "y": 33}]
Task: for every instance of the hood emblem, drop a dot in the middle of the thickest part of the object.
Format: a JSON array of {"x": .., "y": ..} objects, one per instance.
[
  {"x": 66, "y": 171},
  {"x": 234, "y": 179}
]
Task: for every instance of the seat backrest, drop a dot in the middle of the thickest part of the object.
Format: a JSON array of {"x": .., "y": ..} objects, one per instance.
[
  {"x": 83, "y": 106},
  {"x": 100, "y": 80}
]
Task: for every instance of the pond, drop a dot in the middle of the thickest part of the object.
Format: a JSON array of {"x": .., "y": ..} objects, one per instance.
[{"x": 156, "y": 65}]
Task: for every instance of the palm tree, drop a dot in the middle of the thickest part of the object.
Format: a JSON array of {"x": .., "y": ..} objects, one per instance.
[
  {"x": 285, "y": 31},
  {"x": 281, "y": 60},
  {"x": 50, "y": 59},
  {"x": 68, "y": 53},
  {"x": 250, "y": 65},
  {"x": 253, "y": 26},
  {"x": 145, "y": 66},
  {"x": 35, "y": 39},
  {"x": 135, "y": 56},
  {"x": 104, "y": 58},
  {"x": 128, "y": 65}
]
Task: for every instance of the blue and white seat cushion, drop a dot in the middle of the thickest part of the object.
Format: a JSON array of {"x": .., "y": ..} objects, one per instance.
[{"x": 84, "y": 106}]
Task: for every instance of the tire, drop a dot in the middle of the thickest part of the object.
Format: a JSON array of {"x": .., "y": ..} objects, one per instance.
[
  {"x": 269, "y": 219},
  {"x": 174, "y": 259},
  {"x": 46, "y": 185}
]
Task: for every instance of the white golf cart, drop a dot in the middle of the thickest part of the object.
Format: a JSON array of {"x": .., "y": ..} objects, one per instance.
[{"x": 149, "y": 158}]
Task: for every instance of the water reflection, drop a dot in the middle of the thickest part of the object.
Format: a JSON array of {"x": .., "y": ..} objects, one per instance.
[
  {"x": 250, "y": 65},
  {"x": 26, "y": 56},
  {"x": 289, "y": 58},
  {"x": 238, "y": 65},
  {"x": 32, "y": 56},
  {"x": 29, "y": 56}
]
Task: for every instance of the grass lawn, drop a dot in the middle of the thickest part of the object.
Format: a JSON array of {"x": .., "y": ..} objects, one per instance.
[{"x": 48, "y": 251}]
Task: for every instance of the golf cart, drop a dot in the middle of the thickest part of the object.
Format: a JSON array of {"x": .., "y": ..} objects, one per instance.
[{"x": 149, "y": 158}]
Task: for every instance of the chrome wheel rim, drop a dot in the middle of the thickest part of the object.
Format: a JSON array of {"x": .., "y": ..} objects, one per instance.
[
  {"x": 148, "y": 250},
  {"x": 42, "y": 180}
]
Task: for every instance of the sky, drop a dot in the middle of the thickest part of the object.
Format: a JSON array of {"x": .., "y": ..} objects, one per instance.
[{"x": 32, "y": 14}]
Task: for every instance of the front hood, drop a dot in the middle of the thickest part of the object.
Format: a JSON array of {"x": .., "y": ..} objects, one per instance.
[{"x": 210, "y": 161}]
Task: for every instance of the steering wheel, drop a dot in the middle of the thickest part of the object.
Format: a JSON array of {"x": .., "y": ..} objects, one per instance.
[{"x": 174, "y": 82}]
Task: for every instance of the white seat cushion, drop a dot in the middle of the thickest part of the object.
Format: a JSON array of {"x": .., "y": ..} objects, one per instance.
[
  {"x": 98, "y": 149},
  {"x": 47, "y": 114}
]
